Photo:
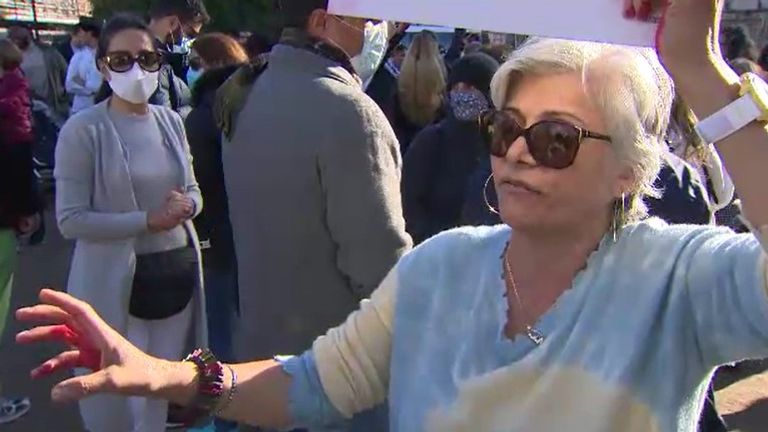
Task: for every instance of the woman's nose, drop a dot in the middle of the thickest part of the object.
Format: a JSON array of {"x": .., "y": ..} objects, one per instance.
[{"x": 518, "y": 152}]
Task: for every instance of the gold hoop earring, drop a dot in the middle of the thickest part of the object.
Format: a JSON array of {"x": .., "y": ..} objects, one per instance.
[
  {"x": 618, "y": 219},
  {"x": 485, "y": 195}
]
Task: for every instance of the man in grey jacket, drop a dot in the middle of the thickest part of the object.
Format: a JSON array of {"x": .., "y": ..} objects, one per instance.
[{"x": 313, "y": 178}]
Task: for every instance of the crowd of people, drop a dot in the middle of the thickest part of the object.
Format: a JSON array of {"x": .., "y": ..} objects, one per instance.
[{"x": 499, "y": 237}]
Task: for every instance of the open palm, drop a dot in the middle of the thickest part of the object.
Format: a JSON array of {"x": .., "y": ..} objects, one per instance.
[{"x": 116, "y": 366}]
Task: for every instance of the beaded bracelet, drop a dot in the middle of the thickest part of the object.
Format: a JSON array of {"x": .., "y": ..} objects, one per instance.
[
  {"x": 232, "y": 391},
  {"x": 210, "y": 388}
]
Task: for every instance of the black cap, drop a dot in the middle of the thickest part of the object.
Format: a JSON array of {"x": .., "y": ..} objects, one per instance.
[
  {"x": 295, "y": 13},
  {"x": 476, "y": 70}
]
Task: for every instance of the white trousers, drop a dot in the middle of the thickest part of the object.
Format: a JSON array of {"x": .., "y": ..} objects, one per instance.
[{"x": 164, "y": 339}]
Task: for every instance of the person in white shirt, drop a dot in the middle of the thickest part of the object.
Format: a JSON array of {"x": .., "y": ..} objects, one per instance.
[{"x": 83, "y": 77}]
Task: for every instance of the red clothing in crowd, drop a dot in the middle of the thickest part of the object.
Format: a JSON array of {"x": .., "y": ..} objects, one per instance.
[{"x": 15, "y": 108}]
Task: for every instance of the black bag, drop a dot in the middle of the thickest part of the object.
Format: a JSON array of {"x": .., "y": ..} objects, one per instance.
[{"x": 164, "y": 283}]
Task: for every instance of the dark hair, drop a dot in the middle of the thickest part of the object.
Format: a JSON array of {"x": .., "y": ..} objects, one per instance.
[
  {"x": 258, "y": 44},
  {"x": 738, "y": 44},
  {"x": 188, "y": 11},
  {"x": 219, "y": 50},
  {"x": 296, "y": 13},
  {"x": 118, "y": 24},
  {"x": 476, "y": 70},
  {"x": 10, "y": 55},
  {"x": 19, "y": 31},
  {"x": 92, "y": 27},
  {"x": 763, "y": 60}
]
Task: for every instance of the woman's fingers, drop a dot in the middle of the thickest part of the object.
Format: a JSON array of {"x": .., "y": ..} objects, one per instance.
[
  {"x": 112, "y": 380},
  {"x": 643, "y": 10},
  {"x": 83, "y": 315},
  {"x": 82, "y": 387},
  {"x": 64, "y": 361},
  {"x": 43, "y": 314},
  {"x": 65, "y": 302},
  {"x": 630, "y": 11},
  {"x": 54, "y": 333}
]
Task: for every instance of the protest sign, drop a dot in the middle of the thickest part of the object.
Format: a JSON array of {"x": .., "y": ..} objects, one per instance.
[{"x": 593, "y": 20}]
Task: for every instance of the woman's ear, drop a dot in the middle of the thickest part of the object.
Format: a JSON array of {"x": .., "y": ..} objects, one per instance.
[{"x": 625, "y": 182}]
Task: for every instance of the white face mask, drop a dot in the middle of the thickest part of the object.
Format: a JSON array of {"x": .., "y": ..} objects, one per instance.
[
  {"x": 135, "y": 86},
  {"x": 374, "y": 49}
]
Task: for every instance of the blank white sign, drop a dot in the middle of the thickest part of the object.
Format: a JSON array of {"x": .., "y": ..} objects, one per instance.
[{"x": 592, "y": 20}]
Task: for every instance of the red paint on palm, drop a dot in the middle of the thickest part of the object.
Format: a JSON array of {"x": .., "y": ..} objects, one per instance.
[{"x": 90, "y": 357}]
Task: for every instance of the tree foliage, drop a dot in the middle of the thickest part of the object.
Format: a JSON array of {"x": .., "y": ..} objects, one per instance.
[{"x": 228, "y": 15}]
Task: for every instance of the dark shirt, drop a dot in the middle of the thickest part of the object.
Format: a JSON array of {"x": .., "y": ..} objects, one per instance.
[
  {"x": 436, "y": 169},
  {"x": 172, "y": 92},
  {"x": 205, "y": 141},
  {"x": 683, "y": 199}
]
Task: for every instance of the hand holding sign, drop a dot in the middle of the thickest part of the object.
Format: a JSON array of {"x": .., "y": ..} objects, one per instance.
[
  {"x": 687, "y": 37},
  {"x": 595, "y": 20}
]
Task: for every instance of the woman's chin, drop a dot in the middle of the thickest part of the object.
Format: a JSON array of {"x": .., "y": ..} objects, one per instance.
[{"x": 522, "y": 220}]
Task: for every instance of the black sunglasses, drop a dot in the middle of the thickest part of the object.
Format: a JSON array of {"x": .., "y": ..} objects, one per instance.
[
  {"x": 123, "y": 61},
  {"x": 552, "y": 143}
]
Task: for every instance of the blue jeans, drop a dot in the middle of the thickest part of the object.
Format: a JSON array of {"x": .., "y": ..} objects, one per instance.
[{"x": 222, "y": 301}]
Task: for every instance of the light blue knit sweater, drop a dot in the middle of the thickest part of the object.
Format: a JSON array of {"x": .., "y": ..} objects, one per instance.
[{"x": 630, "y": 347}]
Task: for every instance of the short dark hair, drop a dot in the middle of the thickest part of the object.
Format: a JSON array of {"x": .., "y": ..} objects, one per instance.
[
  {"x": 258, "y": 44},
  {"x": 89, "y": 25},
  {"x": 296, "y": 13},
  {"x": 118, "y": 24},
  {"x": 188, "y": 11}
]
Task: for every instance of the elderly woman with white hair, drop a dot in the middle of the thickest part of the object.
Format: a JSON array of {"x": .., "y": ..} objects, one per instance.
[{"x": 576, "y": 314}]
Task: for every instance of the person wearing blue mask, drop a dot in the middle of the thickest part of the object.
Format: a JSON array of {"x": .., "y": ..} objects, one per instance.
[
  {"x": 171, "y": 21},
  {"x": 442, "y": 157}
]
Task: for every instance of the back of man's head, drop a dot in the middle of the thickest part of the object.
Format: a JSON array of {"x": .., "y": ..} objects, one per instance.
[
  {"x": 296, "y": 13},
  {"x": 187, "y": 11},
  {"x": 21, "y": 36},
  {"x": 91, "y": 26}
]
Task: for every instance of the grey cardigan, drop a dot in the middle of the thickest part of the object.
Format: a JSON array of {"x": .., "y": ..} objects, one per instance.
[{"x": 96, "y": 206}]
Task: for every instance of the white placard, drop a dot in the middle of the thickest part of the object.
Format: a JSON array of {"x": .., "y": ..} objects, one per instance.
[{"x": 593, "y": 20}]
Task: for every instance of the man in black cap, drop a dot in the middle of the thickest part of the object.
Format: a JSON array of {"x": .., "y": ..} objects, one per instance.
[{"x": 313, "y": 179}]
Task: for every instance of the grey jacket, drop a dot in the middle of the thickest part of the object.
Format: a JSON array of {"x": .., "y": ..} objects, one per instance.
[
  {"x": 96, "y": 206},
  {"x": 56, "y": 68},
  {"x": 313, "y": 178}
]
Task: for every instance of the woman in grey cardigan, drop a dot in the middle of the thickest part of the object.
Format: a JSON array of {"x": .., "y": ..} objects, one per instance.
[{"x": 126, "y": 192}]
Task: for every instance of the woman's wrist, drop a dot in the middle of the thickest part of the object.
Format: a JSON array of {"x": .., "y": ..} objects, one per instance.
[
  {"x": 720, "y": 82},
  {"x": 179, "y": 383}
]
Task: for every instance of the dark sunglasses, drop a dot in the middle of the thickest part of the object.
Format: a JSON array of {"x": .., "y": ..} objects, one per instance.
[
  {"x": 123, "y": 61},
  {"x": 552, "y": 143}
]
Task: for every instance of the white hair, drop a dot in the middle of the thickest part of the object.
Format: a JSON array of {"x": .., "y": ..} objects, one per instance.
[{"x": 629, "y": 87}]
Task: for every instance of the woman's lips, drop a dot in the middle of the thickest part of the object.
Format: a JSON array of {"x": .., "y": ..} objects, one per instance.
[{"x": 517, "y": 186}]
